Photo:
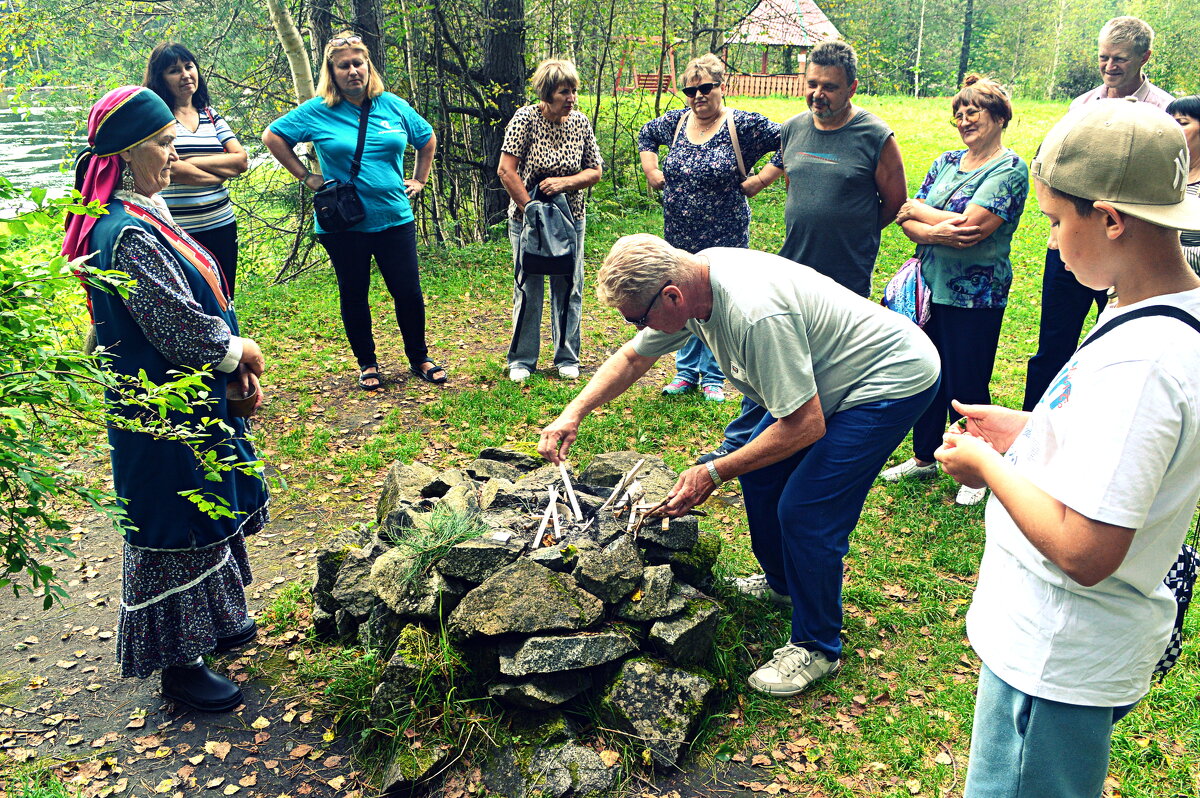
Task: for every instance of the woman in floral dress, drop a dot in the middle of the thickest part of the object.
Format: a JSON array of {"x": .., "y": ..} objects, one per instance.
[{"x": 704, "y": 204}]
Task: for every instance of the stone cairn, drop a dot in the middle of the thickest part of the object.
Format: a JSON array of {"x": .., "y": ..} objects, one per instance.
[{"x": 576, "y": 593}]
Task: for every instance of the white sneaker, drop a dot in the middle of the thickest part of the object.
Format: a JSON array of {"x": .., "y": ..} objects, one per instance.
[
  {"x": 791, "y": 670},
  {"x": 568, "y": 372},
  {"x": 970, "y": 496},
  {"x": 909, "y": 470},
  {"x": 518, "y": 374},
  {"x": 757, "y": 587}
]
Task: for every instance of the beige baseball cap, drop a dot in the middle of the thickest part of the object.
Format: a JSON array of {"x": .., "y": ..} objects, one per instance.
[{"x": 1129, "y": 154}]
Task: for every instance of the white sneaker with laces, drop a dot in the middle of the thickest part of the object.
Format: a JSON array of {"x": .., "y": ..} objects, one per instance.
[
  {"x": 568, "y": 372},
  {"x": 757, "y": 587},
  {"x": 909, "y": 469},
  {"x": 518, "y": 374},
  {"x": 791, "y": 670},
  {"x": 970, "y": 496}
]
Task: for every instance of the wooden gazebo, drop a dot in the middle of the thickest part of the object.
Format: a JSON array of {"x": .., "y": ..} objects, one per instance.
[{"x": 799, "y": 24}]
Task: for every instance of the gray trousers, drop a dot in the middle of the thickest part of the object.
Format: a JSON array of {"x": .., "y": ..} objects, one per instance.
[{"x": 528, "y": 299}]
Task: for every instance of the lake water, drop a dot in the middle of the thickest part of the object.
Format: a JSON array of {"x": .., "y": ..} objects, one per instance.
[{"x": 34, "y": 142}]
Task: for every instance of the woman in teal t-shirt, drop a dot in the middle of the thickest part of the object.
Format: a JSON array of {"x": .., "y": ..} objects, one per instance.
[
  {"x": 963, "y": 219},
  {"x": 349, "y": 86}
]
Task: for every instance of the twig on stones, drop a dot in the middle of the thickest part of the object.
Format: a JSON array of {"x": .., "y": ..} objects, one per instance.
[
  {"x": 537, "y": 540},
  {"x": 616, "y": 491},
  {"x": 566, "y": 478}
]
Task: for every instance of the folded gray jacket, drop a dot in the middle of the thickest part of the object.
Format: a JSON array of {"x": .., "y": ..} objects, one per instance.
[{"x": 548, "y": 237}]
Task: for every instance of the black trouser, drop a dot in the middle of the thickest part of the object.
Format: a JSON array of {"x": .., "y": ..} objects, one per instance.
[
  {"x": 395, "y": 252},
  {"x": 222, "y": 242},
  {"x": 966, "y": 340},
  {"x": 1065, "y": 305}
]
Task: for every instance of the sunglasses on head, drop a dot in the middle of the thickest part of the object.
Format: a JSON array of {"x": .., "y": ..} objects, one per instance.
[
  {"x": 703, "y": 88},
  {"x": 347, "y": 41},
  {"x": 641, "y": 322}
]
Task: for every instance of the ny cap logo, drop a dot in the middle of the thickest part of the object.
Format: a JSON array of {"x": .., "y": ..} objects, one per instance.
[{"x": 1181, "y": 169}]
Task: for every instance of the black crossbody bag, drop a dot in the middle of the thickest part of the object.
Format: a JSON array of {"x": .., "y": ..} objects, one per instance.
[
  {"x": 337, "y": 204},
  {"x": 1181, "y": 578}
]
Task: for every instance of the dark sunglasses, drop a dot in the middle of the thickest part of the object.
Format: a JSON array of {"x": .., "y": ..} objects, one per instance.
[
  {"x": 348, "y": 41},
  {"x": 703, "y": 88},
  {"x": 641, "y": 322}
]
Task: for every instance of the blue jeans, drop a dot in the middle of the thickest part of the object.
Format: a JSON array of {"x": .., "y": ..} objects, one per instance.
[
  {"x": 738, "y": 433},
  {"x": 1026, "y": 747},
  {"x": 1065, "y": 306},
  {"x": 802, "y": 509},
  {"x": 695, "y": 363}
]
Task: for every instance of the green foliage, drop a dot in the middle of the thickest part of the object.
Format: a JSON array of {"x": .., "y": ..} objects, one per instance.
[{"x": 35, "y": 780}]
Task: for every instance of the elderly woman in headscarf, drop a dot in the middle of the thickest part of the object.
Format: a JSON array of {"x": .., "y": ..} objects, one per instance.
[{"x": 184, "y": 570}]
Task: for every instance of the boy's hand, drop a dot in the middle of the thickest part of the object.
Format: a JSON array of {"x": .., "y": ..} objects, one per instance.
[
  {"x": 965, "y": 457},
  {"x": 997, "y": 426}
]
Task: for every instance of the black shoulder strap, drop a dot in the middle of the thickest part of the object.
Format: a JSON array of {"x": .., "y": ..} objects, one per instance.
[
  {"x": 363, "y": 113},
  {"x": 1149, "y": 310}
]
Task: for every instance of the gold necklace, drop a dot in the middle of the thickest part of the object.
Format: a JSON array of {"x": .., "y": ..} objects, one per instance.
[{"x": 710, "y": 125}]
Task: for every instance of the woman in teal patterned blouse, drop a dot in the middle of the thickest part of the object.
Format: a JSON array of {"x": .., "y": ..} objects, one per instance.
[{"x": 962, "y": 220}]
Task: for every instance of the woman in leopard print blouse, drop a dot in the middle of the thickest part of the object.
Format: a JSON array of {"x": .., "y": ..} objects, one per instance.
[{"x": 549, "y": 145}]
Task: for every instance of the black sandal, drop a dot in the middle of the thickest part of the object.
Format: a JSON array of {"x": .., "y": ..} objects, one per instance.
[
  {"x": 425, "y": 373},
  {"x": 367, "y": 374}
]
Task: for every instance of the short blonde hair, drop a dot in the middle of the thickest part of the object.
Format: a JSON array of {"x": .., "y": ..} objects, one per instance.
[
  {"x": 707, "y": 64},
  {"x": 552, "y": 73},
  {"x": 327, "y": 88},
  {"x": 636, "y": 267},
  {"x": 1128, "y": 30}
]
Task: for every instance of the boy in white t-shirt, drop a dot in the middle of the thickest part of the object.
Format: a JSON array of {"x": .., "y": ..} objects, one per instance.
[{"x": 1094, "y": 490}]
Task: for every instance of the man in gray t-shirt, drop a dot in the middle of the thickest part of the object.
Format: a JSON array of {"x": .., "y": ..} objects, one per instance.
[
  {"x": 842, "y": 379},
  {"x": 845, "y": 174}
]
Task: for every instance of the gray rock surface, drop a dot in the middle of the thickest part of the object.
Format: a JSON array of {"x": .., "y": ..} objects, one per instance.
[
  {"x": 324, "y": 624},
  {"x": 659, "y": 704},
  {"x": 656, "y": 477},
  {"x": 475, "y": 560},
  {"x": 552, "y": 653},
  {"x": 461, "y": 499},
  {"x": 693, "y": 566},
  {"x": 655, "y": 597},
  {"x": 410, "y": 768},
  {"x": 520, "y": 460},
  {"x": 402, "y": 485},
  {"x": 611, "y": 572},
  {"x": 328, "y": 562},
  {"x": 352, "y": 591},
  {"x": 490, "y": 490},
  {"x": 681, "y": 533},
  {"x": 540, "y": 479},
  {"x": 439, "y": 484},
  {"x": 541, "y": 692},
  {"x": 429, "y": 596},
  {"x": 525, "y": 598},
  {"x": 561, "y": 557},
  {"x": 687, "y": 638},
  {"x": 484, "y": 469},
  {"x": 552, "y": 771}
]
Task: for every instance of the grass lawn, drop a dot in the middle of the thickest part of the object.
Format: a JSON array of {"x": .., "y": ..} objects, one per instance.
[{"x": 897, "y": 721}]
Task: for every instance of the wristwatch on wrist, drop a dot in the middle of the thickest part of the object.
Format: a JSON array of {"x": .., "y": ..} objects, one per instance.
[
  {"x": 307, "y": 175},
  {"x": 712, "y": 472}
]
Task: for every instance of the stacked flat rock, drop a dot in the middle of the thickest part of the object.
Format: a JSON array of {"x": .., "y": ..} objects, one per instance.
[{"x": 597, "y": 608}]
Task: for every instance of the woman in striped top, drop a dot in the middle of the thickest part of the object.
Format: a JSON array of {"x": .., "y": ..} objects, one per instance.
[
  {"x": 209, "y": 154},
  {"x": 1186, "y": 111}
]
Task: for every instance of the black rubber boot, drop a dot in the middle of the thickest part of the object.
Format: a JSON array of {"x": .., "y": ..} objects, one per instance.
[
  {"x": 239, "y": 638},
  {"x": 199, "y": 688}
]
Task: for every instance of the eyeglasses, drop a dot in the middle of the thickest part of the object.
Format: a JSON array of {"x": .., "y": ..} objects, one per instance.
[
  {"x": 703, "y": 88},
  {"x": 641, "y": 322},
  {"x": 348, "y": 41},
  {"x": 967, "y": 115}
]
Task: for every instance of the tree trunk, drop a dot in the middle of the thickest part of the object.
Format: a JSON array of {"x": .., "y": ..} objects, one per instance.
[
  {"x": 964, "y": 56},
  {"x": 917, "y": 65},
  {"x": 1058, "y": 31},
  {"x": 320, "y": 23},
  {"x": 504, "y": 65},
  {"x": 662, "y": 59},
  {"x": 367, "y": 24},
  {"x": 293, "y": 48}
]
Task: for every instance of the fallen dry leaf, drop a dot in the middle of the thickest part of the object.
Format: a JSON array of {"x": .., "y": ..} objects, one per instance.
[
  {"x": 217, "y": 749},
  {"x": 944, "y": 758},
  {"x": 913, "y": 786},
  {"x": 337, "y": 782},
  {"x": 300, "y": 751},
  {"x": 214, "y": 783},
  {"x": 249, "y": 780},
  {"x": 230, "y": 789},
  {"x": 609, "y": 758},
  {"x": 260, "y": 723}
]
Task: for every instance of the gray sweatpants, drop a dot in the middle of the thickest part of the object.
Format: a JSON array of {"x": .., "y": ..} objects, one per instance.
[{"x": 527, "y": 310}]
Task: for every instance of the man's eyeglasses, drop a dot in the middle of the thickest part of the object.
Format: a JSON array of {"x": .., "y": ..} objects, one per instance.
[
  {"x": 967, "y": 115},
  {"x": 641, "y": 322},
  {"x": 703, "y": 88},
  {"x": 348, "y": 41}
]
